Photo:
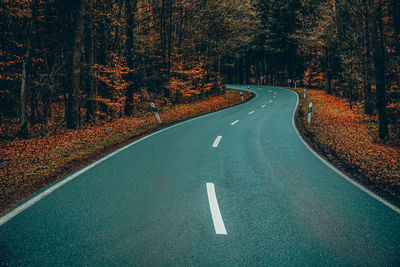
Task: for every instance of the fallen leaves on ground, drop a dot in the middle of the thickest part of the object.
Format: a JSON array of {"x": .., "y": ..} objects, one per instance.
[
  {"x": 28, "y": 165},
  {"x": 351, "y": 136}
]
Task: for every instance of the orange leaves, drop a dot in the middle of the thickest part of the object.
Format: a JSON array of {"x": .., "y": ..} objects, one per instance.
[
  {"x": 26, "y": 165},
  {"x": 347, "y": 134},
  {"x": 314, "y": 75},
  {"x": 112, "y": 73},
  {"x": 183, "y": 111},
  {"x": 187, "y": 82}
]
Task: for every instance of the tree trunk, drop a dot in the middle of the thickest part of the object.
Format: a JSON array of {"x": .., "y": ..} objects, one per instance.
[
  {"x": 130, "y": 8},
  {"x": 33, "y": 106},
  {"x": 169, "y": 36},
  {"x": 240, "y": 70},
  {"x": 219, "y": 71},
  {"x": 73, "y": 114},
  {"x": 91, "y": 102},
  {"x": 263, "y": 66},
  {"x": 257, "y": 66},
  {"x": 24, "y": 132},
  {"x": 26, "y": 67},
  {"x": 237, "y": 70},
  {"x": 395, "y": 12},
  {"x": 368, "y": 106},
  {"x": 328, "y": 72},
  {"x": 379, "y": 62},
  {"x": 246, "y": 67}
]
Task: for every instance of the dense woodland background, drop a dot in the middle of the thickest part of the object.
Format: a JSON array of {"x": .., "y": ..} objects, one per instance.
[{"x": 66, "y": 63}]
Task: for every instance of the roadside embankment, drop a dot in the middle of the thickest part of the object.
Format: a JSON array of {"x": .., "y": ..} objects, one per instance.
[
  {"x": 348, "y": 138},
  {"x": 27, "y": 165}
]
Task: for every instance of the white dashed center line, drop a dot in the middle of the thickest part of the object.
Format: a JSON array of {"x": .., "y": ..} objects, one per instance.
[
  {"x": 215, "y": 212},
  {"x": 217, "y": 140},
  {"x": 263, "y": 106},
  {"x": 251, "y": 112},
  {"x": 236, "y": 121}
]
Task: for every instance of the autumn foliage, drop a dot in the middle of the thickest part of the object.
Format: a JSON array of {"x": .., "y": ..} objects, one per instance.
[
  {"x": 351, "y": 136},
  {"x": 95, "y": 58},
  {"x": 95, "y": 65},
  {"x": 27, "y": 165}
]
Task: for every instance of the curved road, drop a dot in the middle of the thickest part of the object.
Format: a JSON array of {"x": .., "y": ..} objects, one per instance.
[{"x": 236, "y": 187}]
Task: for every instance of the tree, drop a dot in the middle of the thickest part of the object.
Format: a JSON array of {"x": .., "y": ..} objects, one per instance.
[
  {"x": 73, "y": 106},
  {"x": 379, "y": 62},
  {"x": 26, "y": 68},
  {"x": 348, "y": 42},
  {"x": 130, "y": 6}
]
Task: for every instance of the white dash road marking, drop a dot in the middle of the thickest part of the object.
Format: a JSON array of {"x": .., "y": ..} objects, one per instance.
[
  {"x": 14, "y": 212},
  {"x": 217, "y": 140},
  {"x": 270, "y": 101},
  {"x": 251, "y": 112},
  {"x": 236, "y": 121},
  {"x": 215, "y": 212},
  {"x": 263, "y": 106}
]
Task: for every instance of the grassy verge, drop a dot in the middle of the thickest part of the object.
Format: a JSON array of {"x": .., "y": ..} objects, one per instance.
[
  {"x": 348, "y": 138},
  {"x": 29, "y": 165}
]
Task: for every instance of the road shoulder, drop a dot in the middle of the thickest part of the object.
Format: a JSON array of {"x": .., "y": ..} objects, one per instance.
[{"x": 381, "y": 185}]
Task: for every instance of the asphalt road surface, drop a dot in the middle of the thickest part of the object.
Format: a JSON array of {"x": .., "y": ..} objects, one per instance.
[{"x": 236, "y": 187}]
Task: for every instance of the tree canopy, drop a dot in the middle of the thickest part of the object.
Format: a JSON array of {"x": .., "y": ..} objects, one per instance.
[{"x": 68, "y": 63}]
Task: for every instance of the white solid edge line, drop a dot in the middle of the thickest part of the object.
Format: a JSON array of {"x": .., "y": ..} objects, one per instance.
[
  {"x": 216, "y": 141},
  {"x": 14, "y": 212},
  {"x": 236, "y": 121},
  {"x": 355, "y": 183},
  {"x": 251, "y": 112},
  {"x": 215, "y": 212}
]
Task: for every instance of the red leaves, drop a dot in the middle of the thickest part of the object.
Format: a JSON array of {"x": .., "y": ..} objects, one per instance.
[
  {"x": 26, "y": 165},
  {"x": 349, "y": 134}
]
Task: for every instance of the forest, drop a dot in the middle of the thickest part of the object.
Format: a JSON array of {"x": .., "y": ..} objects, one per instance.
[{"x": 66, "y": 64}]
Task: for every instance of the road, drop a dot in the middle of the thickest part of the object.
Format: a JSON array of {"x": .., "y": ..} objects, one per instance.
[{"x": 236, "y": 187}]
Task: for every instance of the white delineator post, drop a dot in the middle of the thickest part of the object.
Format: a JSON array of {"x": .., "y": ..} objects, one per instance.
[
  {"x": 310, "y": 110},
  {"x": 241, "y": 95},
  {"x": 305, "y": 93},
  {"x": 153, "y": 108},
  {"x": 295, "y": 85}
]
